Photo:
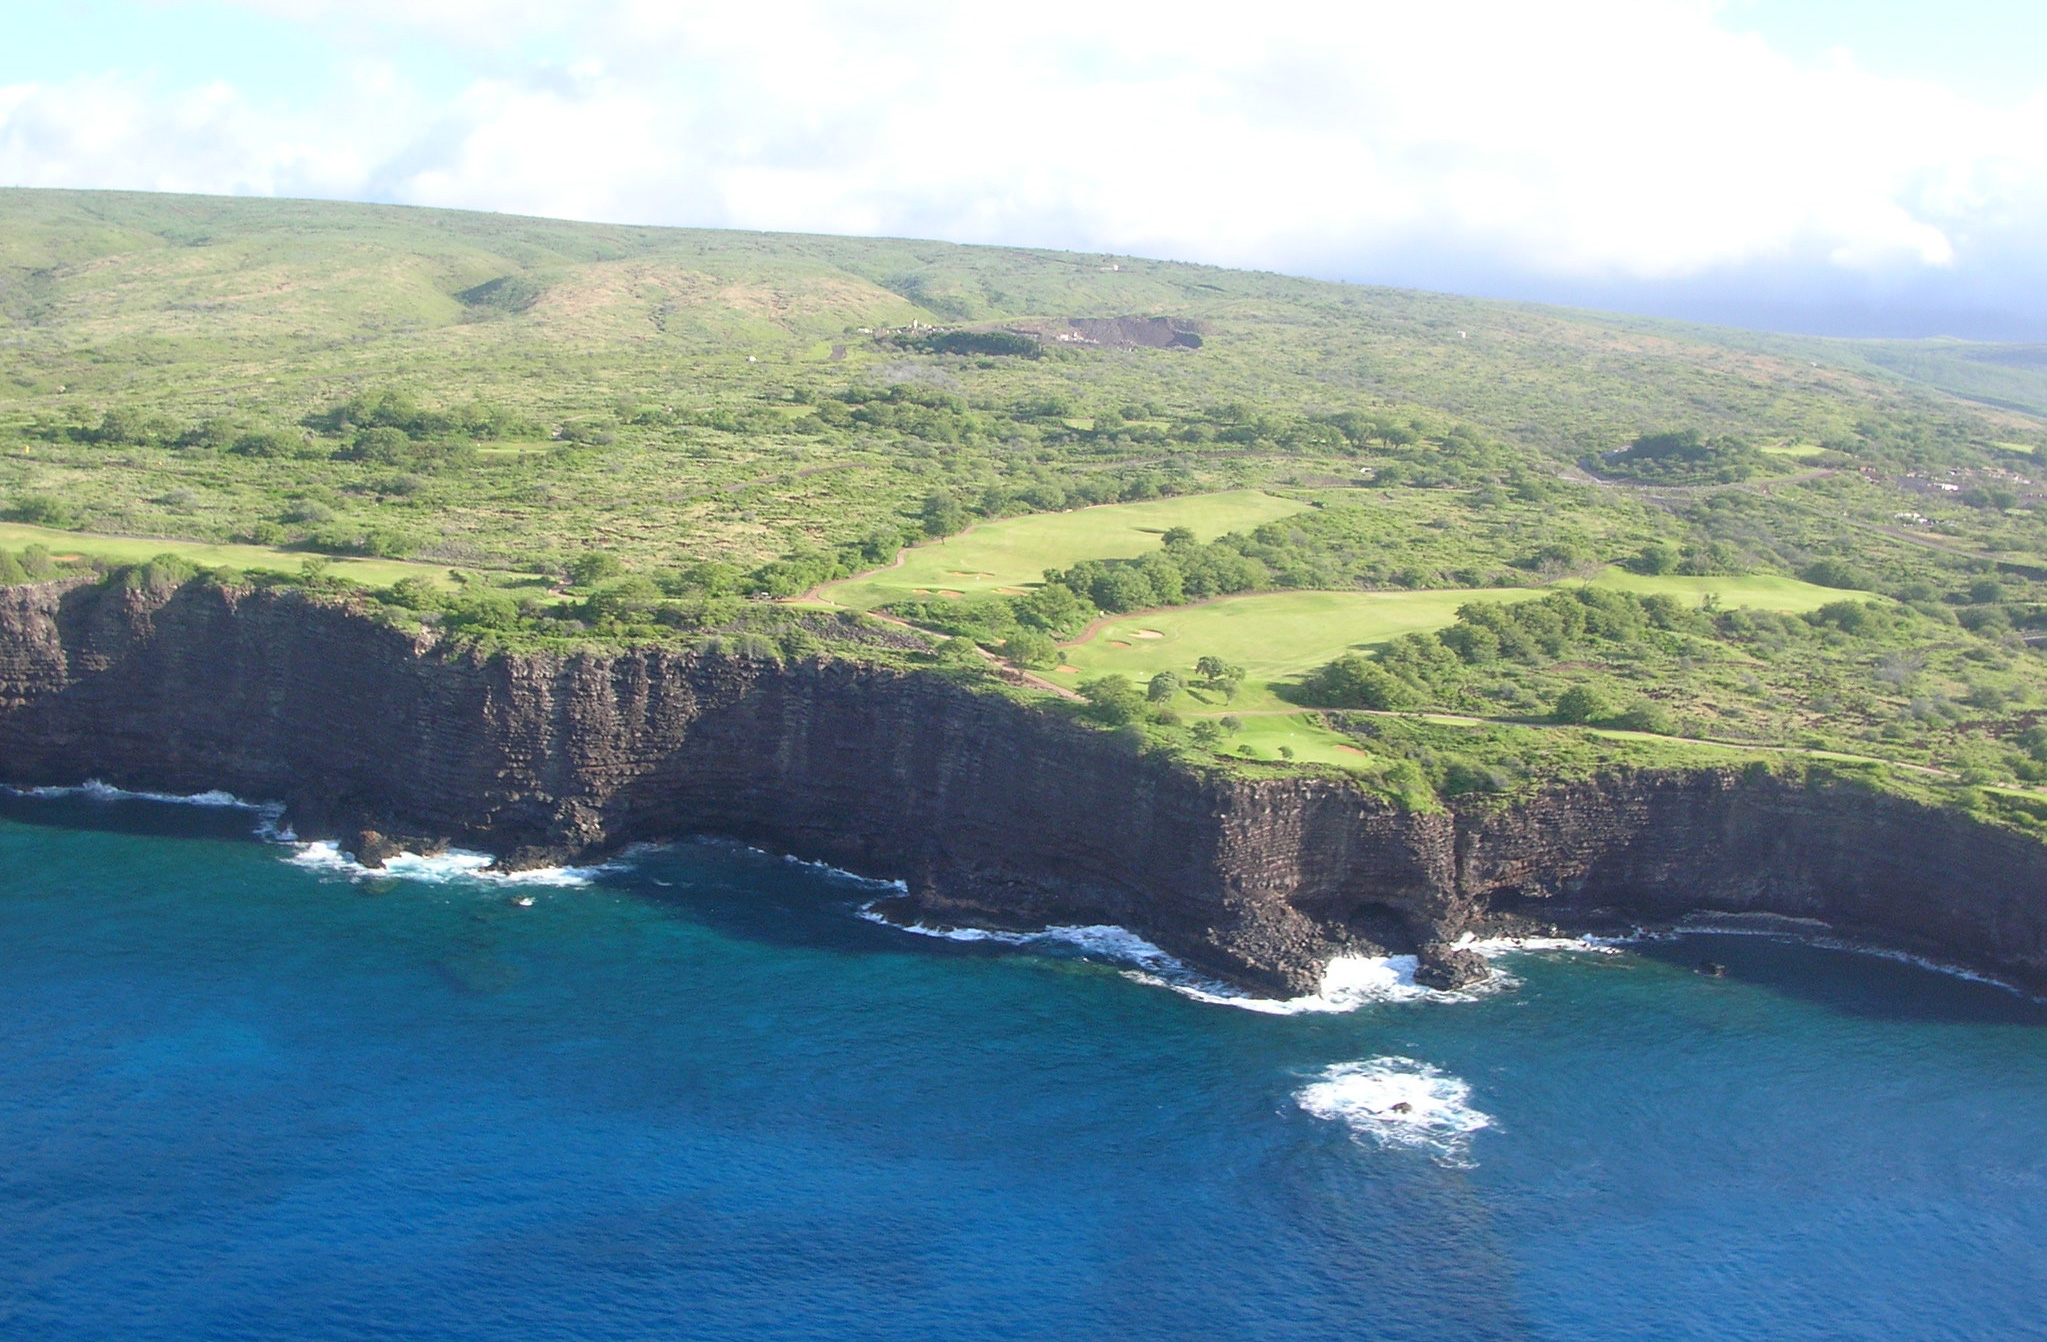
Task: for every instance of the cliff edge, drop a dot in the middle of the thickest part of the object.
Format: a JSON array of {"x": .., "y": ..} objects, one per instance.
[{"x": 989, "y": 811}]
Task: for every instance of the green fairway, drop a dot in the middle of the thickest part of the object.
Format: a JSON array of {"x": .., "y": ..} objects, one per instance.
[
  {"x": 1275, "y": 637},
  {"x": 1011, "y": 553},
  {"x": 137, "y": 549},
  {"x": 1281, "y": 636},
  {"x": 1756, "y": 591},
  {"x": 1271, "y": 735}
]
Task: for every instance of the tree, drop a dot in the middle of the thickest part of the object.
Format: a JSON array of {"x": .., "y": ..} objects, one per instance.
[
  {"x": 1580, "y": 704},
  {"x": 943, "y": 515},
  {"x": 594, "y": 566},
  {"x": 1163, "y": 687},
  {"x": 1657, "y": 557},
  {"x": 1210, "y": 668},
  {"x": 1054, "y": 607},
  {"x": 1028, "y": 649},
  {"x": 383, "y": 445},
  {"x": 1207, "y": 734},
  {"x": 1356, "y": 681},
  {"x": 1113, "y": 700}
]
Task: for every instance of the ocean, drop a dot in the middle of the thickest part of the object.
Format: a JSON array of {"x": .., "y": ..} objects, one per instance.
[{"x": 249, "y": 1091}]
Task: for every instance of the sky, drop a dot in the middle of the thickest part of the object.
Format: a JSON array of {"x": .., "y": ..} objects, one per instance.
[{"x": 1853, "y": 167}]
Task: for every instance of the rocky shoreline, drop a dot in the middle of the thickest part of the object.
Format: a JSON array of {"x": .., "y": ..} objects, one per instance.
[{"x": 988, "y": 811}]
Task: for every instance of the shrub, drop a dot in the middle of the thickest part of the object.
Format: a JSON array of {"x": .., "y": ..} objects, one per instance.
[
  {"x": 1647, "y": 716},
  {"x": 414, "y": 594},
  {"x": 165, "y": 573},
  {"x": 1580, "y": 704},
  {"x": 1837, "y": 573},
  {"x": 43, "y": 510},
  {"x": 620, "y": 600},
  {"x": 267, "y": 443}
]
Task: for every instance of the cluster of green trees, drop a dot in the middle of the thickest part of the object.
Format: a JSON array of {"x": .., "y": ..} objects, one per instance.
[
  {"x": 1415, "y": 670},
  {"x": 391, "y": 428},
  {"x": 1683, "y": 457},
  {"x": 987, "y": 344},
  {"x": 386, "y": 427},
  {"x": 1327, "y": 548},
  {"x": 1494, "y": 644},
  {"x": 128, "y": 427}
]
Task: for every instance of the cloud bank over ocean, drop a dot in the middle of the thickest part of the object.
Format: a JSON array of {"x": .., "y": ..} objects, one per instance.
[{"x": 1646, "y": 154}]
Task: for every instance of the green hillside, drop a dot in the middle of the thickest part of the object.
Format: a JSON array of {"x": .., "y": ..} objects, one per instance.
[{"x": 535, "y": 429}]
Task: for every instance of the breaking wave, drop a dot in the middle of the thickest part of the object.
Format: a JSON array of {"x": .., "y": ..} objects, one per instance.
[
  {"x": 456, "y": 865},
  {"x": 1396, "y": 1102},
  {"x": 269, "y": 815}
]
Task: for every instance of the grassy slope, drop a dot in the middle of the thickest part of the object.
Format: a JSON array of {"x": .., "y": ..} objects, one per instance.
[
  {"x": 266, "y": 310},
  {"x": 249, "y": 558}
]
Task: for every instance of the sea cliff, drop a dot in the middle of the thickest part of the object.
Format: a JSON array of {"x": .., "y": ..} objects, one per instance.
[{"x": 988, "y": 811}]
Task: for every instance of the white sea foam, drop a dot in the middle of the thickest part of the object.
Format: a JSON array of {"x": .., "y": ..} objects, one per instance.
[
  {"x": 841, "y": 874},
  {"x": 269, "y": 815},
  {"x": 1349, "y": 982},
  {"x": 1396, "y": 1102},
  {"x": 449, "y": 867},
  {"x": 94, "y": 790}
]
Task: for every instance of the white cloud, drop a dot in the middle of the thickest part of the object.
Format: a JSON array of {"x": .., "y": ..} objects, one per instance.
[{"x": 1601, "y": 139}]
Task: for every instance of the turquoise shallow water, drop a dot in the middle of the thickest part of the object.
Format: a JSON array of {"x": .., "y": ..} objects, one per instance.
[{"x": 700, "y": 1098}]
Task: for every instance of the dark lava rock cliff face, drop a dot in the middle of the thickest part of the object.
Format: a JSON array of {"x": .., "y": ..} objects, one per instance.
[{"x": 991, "y": 812}]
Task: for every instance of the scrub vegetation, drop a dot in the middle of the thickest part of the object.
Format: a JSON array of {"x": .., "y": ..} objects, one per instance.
[{"x": 1452, "y": 547}]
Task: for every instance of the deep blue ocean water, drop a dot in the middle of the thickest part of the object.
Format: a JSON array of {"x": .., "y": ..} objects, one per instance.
[{"x": 698, "y": 1097}]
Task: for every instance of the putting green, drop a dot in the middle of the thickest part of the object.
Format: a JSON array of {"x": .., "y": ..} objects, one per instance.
[
  {"x": 1014, "y": 553},
  {"x": 138, "y": 549}
]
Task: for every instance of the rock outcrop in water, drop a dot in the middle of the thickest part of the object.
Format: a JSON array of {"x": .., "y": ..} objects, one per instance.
[{"x": 992, "y": 813}]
